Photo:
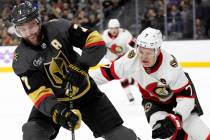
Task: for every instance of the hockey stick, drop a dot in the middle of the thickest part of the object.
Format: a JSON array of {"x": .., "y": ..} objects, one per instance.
[{"x": 69, "y": 92}]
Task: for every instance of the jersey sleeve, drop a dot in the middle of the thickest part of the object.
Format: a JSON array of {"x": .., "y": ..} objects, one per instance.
[
  {"x": 91, "y": 43},
  {"x": 180, "y": 81},
  {"x": 185, "y": 99},
  {"x": 181, "y": 87},
  {"x": 35, "y": 87},
  {"x": 34, "y": 83},
  {"x": 113, "y": 71},
  {"x": 123, "y": 67},
  {"x": 154, "y": 111}
]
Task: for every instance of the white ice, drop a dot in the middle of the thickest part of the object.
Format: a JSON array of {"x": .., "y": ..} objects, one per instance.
[{"x": 15, "y": 107}]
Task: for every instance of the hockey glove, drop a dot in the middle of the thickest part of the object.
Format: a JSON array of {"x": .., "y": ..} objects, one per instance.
[
  {"x": 78, "y": 77},
  {"x": 167, "y": 127},
  {"x": 69, "y": 119}
]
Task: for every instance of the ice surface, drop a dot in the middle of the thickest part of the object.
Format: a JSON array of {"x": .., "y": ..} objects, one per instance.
[{"x": 15, "y": 107}]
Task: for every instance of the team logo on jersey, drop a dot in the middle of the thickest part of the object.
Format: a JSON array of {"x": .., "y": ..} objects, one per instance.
[
  {"x": 56, "y": 69},
  {"x": 163, "y": 92},
  {"x": 147, "y": 106},
  {"x": 131, "y": 54},
  {"x": 119, "y": 49},
  {"x": 173, "y": 62}
]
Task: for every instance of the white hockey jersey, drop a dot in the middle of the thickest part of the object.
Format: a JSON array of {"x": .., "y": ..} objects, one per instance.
[
  {"x": 121, "y": 41},
  {"x": 159, "y": 83}
]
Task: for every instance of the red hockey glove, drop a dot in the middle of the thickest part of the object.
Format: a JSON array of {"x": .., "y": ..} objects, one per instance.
[{"x": 167, "y": 127}]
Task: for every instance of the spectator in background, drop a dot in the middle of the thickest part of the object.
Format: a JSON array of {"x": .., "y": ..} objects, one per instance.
[
  {"x": 92, "y": 21},
  {"x": 171, "y": 2},
  {"x": 200, "y": 30},
  {"x": 175, "y": 23},
  {"x": 6, "y": 38},
  {"x": 82, "y": 18},
  {"x": 83, "y": 12},
  {"x": 1, "y": 37},
  {"x": 107, "y": 7},
  {"x": 187, "y": 18},
  {"x": 207, "y": 28},
  {"x": 66, "y": 13},
  {"x": 152, "y": 19}
]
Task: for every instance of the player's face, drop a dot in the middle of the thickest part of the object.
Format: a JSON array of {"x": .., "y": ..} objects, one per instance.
[
  {"x": 30, "y": 31},
  {"x": 147, "y": 56},
  {"x": 114, "y": 31}
]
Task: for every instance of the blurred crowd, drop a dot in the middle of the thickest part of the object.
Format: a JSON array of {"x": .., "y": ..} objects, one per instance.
[
  {"x": 83, "y": 12},
  {"x": 88, "y": 13},
  {"x": 179, "y": 21}
]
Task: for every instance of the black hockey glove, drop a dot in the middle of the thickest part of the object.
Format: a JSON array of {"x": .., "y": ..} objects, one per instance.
[
  {"x": 167, "y": 127},
  {"x": 76, "y": 75},
  {"x": 69, "y": 119}
]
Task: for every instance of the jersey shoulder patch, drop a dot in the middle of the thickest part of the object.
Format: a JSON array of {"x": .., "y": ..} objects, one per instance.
[
  {"x": 131, "y": 54},
  {"x": 173, "y": 62}
]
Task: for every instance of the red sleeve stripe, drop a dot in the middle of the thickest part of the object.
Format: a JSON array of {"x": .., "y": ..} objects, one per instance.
[
  {"x": 185, "y": 96},
  {"x": 112, "y": 69},
  {"x": 37, "y": 103},
  {"x": 104, "y": 73},
  {"x": 180, "y": 89},
  {"x": 100, "y": 43}
]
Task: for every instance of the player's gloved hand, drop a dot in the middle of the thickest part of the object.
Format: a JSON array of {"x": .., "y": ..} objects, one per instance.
[
  {"x": 167, "y": 127},
  {"x": 76, "y": 75},
  {"x": 69, "y": 119}
]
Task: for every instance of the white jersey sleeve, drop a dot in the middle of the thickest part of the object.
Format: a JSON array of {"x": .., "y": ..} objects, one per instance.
[
  {"x": 184, "y": 107},
  {"x": 180, "y": 80},
  {"x": 124, "y": 67},
  {"x": 181, "y": 88},
  {"x": 109, "y": 72}
]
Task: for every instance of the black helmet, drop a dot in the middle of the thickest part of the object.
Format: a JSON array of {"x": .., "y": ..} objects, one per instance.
[{"x": 23, "y": 13}]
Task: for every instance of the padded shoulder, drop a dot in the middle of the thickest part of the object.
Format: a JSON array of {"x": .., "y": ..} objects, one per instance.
[{"x": 23, "y": 57}]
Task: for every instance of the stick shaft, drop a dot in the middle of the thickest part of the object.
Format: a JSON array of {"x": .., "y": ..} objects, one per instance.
[{"x": 69, "y": 92}]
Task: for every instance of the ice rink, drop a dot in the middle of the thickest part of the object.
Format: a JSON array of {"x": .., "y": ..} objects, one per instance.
[{"x": 15, "y": 107}]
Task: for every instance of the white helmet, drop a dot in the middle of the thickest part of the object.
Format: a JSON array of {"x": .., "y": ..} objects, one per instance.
[
  {"x": 113, "y": 23},
  {"x": 149, "y": 38}
]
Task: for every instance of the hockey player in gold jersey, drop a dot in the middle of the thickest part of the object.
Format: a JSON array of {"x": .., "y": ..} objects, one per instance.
[{"x": 45, "y": 62}]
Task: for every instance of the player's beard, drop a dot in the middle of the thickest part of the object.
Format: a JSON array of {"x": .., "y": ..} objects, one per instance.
[{"x": 35, "y": 39}]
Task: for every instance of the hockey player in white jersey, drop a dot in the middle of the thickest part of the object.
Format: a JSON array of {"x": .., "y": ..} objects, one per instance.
[
  {"x": 169, "y": 98},
  {"x": 117, "y": 41}
]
